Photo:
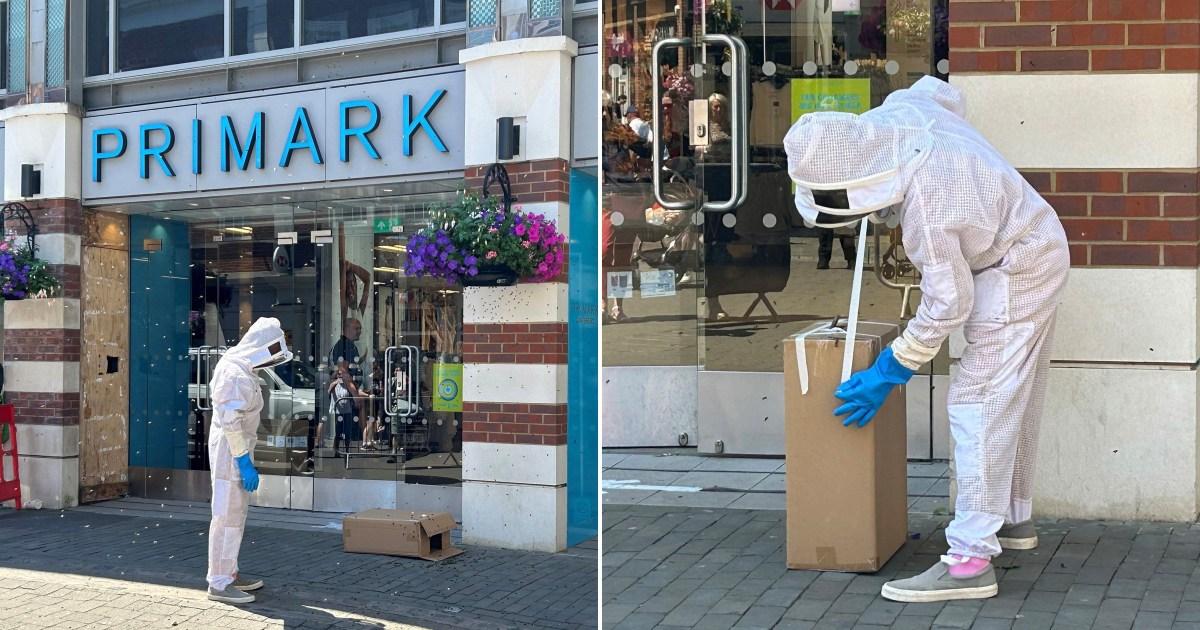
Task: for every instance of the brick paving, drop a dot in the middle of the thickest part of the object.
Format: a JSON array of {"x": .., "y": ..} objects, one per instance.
[
  {"x": 690, "y": 567},
  {"x": 81, "y": 569}
]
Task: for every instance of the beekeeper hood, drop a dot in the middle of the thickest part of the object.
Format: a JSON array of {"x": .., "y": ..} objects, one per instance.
[
  {"x": 848, "y": 167},
  {"x": 262, "y": 346}
]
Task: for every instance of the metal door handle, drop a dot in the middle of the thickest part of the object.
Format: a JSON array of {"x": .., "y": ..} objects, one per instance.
[
  {"x": 387, "y": 384},
  {"x": 201, "y": 386},
  {"x": 414, "y": 392},
  {"x": 656, "y": 130},
  {"x": 742, "y": 138},
  {"x": 737, "y": 117}
]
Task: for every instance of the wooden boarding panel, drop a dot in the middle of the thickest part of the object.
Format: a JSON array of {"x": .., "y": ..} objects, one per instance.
[{"x": 104, "y": 361}]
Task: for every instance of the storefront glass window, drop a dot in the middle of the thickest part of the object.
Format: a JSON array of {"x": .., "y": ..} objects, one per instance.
[
  {"x": 97, "y": 37},
  {"x": 262, "y": 25},
  {"x": 454, "y": 11},
  {"x": 156, "y": 33},
  {"x": 364, "y": 398},
  {"x": 333, "y": 20},
  {"x": 18, "y": 29},
  {"x": 56, "y": 43},
  {"x": 700, "y": 288}
]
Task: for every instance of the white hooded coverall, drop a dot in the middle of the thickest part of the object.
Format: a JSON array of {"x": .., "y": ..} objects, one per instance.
[
  {"x": 236, "y": 398},
  {"x": 993, "y": 259}
]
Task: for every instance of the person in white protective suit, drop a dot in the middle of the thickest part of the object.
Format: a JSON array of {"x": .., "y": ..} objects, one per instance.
[
  {"x": 237, "y": 401},
  {"x": 993, "y": 259}
]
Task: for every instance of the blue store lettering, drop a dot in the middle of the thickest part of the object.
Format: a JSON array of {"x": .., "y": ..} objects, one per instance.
[{"x": 241, "y": 141}]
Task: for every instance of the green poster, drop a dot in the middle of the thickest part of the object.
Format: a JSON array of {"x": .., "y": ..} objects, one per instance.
[
  {"x": 830, "y": 95},
  {"x": 447, "y": 378}
]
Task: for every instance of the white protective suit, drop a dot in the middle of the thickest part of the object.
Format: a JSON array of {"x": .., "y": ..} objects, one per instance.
[
  {"x": 237, "y": 401},
  {"x": 993, "y": 259}
]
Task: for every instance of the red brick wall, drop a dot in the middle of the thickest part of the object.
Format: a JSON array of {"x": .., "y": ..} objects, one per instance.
[
  {"x": 536, "y": 181},
  {"x": 41, "y": 345},
  {"x": 52, "y": 216},
  {"x": 1126, "y": 218},
  {"x": 1075, "y": 35},
  {"x": 515, "y": 343},
  {"x": 40, "y": 408},
  {"x": 515, "y": 423}
]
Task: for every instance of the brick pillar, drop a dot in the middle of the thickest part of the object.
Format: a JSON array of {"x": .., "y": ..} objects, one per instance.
[
  {"x": 515, "y": 338},
  {"x": 1095, "y": 103},
  {"x": 41, "y": 363},
  {"x": 43, "y": 337}
]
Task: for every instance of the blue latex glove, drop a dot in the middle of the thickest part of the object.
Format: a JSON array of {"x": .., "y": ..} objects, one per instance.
[
  {"x": 866, "y": 391},
  {"x": 249, "y": 474}
]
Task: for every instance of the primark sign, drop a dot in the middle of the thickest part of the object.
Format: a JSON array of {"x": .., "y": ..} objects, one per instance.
[{"x": 344, "y": 131}]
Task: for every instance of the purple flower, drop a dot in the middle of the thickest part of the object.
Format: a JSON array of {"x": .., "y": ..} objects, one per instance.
[{"x": 519, "y": 230}]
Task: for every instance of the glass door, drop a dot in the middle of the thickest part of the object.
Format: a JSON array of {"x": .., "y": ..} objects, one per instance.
[
  {"x": 200, "y": 279},
  {"x": 245, "y": 266},
  {"x": 389, "y": 355},
  {"x": 727, "y": 80},
  {"x": 651, "y": 225}
]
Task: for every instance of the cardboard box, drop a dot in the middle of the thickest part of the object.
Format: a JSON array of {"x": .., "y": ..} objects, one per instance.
[
  {"x": 400, "y": 533},
  {"x": 847, "y": 487}
]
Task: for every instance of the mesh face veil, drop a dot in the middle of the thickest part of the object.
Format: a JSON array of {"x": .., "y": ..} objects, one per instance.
[
  {"x": 263, "y": 345},
  {"x": 847, "y": 167},
  {"x": 274, "y": 353}
]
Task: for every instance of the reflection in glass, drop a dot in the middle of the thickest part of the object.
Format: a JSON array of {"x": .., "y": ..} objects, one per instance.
[
  {"x": 760, "y": 273},
  {"x": 333, "y": 20},
  {"x": 154, "y": 33},
  {"x": 454, "y": 11},
  {"x": 262, "y": 25}
]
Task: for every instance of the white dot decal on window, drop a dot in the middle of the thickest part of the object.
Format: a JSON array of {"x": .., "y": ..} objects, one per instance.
[
  {"x": 727, "y": 68},
  {"x": 943, "y": 66},
  {"x": 697, "y": 70},
  {"x": 769, "y": 68},
  {"x": 615, "y": 71},
  {"x": 729, "y": 220},
  {"x": 851, "y": 68},
  {"x": 769, "y": 220},
  {"x": 698, "y": 218},
  {"x": 891, "y": 67},
  {"x": 810, "y": 68},
  {"x": 618, "y": 218}
]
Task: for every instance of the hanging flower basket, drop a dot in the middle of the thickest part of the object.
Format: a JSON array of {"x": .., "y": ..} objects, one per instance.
[
  {"x": 22, "y": 275},
  {"x": 483, "y": 241}
]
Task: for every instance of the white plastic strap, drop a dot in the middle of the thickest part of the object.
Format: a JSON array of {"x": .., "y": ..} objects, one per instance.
[
  {"x": 802, "y": 356},
  {"x": 855, "y": 298}
]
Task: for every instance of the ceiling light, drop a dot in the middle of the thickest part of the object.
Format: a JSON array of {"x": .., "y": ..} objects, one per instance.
[
  {"x": 397, "y": 249},
  {"x": 387, "y": 270}
]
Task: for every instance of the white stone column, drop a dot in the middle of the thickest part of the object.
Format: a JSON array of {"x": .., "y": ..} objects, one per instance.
[{"x": 515, "y": 376}]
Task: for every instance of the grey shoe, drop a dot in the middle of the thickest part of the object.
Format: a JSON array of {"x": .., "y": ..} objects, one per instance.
[
  {"x": 1018, "y": 536},
  {"x": 246, "y": 584},
  {"x": 230, "y": 596},
  {"x": 937, "y": 585}
]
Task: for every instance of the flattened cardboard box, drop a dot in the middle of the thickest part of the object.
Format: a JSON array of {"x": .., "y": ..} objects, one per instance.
[
  {"x": 847, "y": 487},
  {"x": 424, "y": 535}
]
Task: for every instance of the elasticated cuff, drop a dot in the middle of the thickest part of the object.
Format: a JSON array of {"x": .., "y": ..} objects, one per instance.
[
  {"x": 237, "y": 443},
  {"x": 911, "y": 353}
]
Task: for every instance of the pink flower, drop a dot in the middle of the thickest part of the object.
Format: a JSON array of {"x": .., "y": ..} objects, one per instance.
[
  {"x": 520, "y": 229},
  {"x": 490, "y": 255},
  {"x": 525, "y": 244},
  {"x": 534, "y": 236},
  {"x": 492, "y": 230}
]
